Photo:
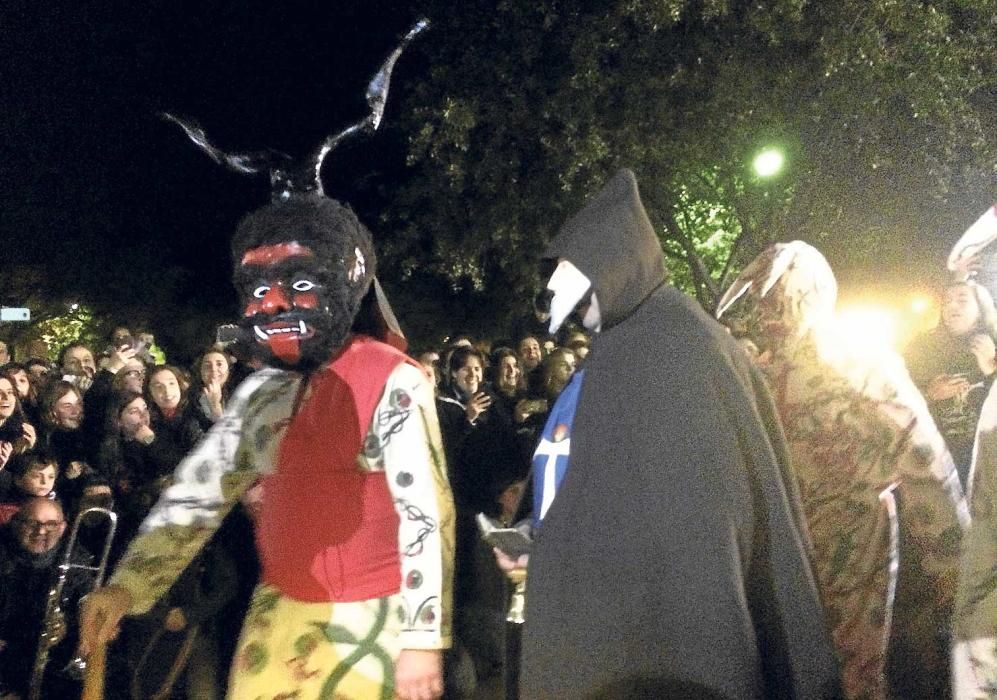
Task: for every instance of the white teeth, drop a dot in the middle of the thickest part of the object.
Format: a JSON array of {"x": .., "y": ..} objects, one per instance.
[
  {"x": 259, "y": 334},
  {"x": 301, "y": 327}
]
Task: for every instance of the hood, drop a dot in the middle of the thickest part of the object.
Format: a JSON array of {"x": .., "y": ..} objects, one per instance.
[
  {"x": 787, "y": 292},
  {"x": 612, "y": 241}
]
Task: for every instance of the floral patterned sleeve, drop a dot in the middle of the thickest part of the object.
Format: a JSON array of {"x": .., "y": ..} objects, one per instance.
[
  {"x": 404, "y": 441},
  {"x": 205, "y": 487}
]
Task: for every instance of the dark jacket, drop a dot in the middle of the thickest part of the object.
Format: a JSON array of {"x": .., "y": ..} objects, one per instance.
[{"x": 675, "y": 547}]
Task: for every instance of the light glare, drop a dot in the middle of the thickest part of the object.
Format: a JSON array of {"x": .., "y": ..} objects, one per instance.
[{"x": 768, "y": 162}]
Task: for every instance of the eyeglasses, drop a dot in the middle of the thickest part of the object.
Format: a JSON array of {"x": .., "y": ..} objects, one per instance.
[
  {"x": 135, "y": 373},
  {"x": 47, "y": 526}
]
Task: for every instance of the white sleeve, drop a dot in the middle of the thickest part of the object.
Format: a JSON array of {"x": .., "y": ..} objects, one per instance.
[{"x": 404, "y": 440}]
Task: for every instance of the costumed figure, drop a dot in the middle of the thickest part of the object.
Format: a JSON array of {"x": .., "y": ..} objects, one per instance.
[
  {"x": 880, "y": 491},
  {"x": 673, "y": 560},
  {"x": 975, "y": 649},
  {"x": 355, "y": 534}
]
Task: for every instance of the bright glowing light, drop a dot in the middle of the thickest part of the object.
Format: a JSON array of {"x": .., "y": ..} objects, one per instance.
[
  {"x": 74, "y": 307},
  {"x": 768, "y": 162},
  {"x": 870, "y": 328},
  {"x": 919, "y": 304}
]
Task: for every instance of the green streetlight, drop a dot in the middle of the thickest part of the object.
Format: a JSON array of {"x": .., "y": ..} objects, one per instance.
[{"x": 768, "y": 163}]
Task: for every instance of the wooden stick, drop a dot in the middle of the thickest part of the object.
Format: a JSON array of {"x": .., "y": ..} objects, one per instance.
[{"x": 93, "y": 678}]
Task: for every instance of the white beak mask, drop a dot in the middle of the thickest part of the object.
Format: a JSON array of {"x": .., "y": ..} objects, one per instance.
[{"x": 570, "y": 285}]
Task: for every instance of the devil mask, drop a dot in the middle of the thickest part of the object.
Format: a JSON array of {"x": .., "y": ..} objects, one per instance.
[{"x": 302, "y": 267}]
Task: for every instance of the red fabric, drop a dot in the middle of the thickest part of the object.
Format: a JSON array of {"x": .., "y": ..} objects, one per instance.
[{"x": 329, "y": 531}]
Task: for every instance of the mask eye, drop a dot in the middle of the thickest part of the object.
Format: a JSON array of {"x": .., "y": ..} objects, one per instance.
[
  {"x": 303, "y": 286},
  {"x": 261, "y": 291}
]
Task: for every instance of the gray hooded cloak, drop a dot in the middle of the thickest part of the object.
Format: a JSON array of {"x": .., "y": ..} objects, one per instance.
[{"x": 673, "y": 561}]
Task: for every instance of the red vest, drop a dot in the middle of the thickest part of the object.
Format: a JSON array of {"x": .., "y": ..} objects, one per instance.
[{"x": 328, "y": 530}]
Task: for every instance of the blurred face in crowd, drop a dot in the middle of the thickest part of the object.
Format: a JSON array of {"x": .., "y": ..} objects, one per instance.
[
  {"x": 120, "y": 336},
  {"x": 38, "y": 372},
  {"x": 529, "y": 350},
  {"x": 214, "y": 368},
  {"x": 563, "y": 367},
  {"x": 508, "y": 375},
  {"x": 21, "y": 383},
  {"x": 4, "y": 353},
  {"x": 79, "y": 361},
  {"x": 132, "y": 375},
  {"x": 468, "y": 377},
  {"x": 429, "y": 360},
  {"x": 39, "y": 480},
  {"x": 68, "y": 411},
  {"x": 40, "y": 526},
  {"x": 960, "y": 311},
  {"x": 165, "y": 390},
  {"x": 133, "y": 416},
  {"x": 8, "y": 399}
]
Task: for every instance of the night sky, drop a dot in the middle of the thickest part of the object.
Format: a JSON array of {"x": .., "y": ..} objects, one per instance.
[
  {"x": 112, "y": 202},
  {"x": 110, "y": 198}
]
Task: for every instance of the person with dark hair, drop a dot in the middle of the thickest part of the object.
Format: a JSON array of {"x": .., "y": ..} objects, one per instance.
[
  {"x": 17, "y": 435},
  {"x": 463, "y": 403},
  {"x": 355, "y": 528},
  {"x": 32, "y": 475},
  {"x": 174, "y": 416},
  {"x": 61, "y": 404},
  {"x": 212, "y": 386},
  {"x": 954, "y": 366},
  {"x": 78, "y": 365}
]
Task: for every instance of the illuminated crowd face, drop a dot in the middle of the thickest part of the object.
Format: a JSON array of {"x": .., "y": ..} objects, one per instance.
[
  {"x": 214, "y": 368},
  {"x": 508, "y": 374},
  {"x": 529, "y": 350},
  {"x": 8, "y": 399},
  {"x": 21, "y": 383},
  {"x": 79, "y": 361},
  {"x": 39, "y": 480},
  {"x": 164, "y": 387},
  {"x": 468, "y": 377},
  {"x": 960, "y": 310},
  {"x": 68, "y": 411},
  {"x": 133, "y": 416},
  {"x": 40, "y": 527}
]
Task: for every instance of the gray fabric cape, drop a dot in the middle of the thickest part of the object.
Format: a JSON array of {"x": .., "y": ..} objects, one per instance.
[{"x": 673, "y": 561}]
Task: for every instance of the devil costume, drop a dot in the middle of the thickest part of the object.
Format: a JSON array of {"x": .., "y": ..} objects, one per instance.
[
  {"x": 356, "y": 530},
  {"x": 673, "y": 555},
  {"x": 879, "y": 488}
]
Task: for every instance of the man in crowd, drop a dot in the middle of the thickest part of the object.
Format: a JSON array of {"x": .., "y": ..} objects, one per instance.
[
  {"x": 4, "y": 353},
  {"x": 30, "y": 554},
  {"x": 355, "y": 533},
  {"x": 673, "y": 558},
  {"x": 76, "y": 360}
]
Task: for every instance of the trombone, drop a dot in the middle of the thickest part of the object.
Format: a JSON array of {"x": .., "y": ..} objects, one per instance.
[{"x": 54, "y": 624}]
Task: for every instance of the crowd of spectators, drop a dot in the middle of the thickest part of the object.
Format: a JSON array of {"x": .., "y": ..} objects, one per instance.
[{"x": 106, "y": 427}]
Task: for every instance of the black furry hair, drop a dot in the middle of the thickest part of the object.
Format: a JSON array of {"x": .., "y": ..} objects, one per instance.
[{"x": 329, "y": 228}]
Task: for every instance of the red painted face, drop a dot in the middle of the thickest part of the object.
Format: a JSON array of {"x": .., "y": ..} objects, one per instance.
[{"x": 281, "y": 281}]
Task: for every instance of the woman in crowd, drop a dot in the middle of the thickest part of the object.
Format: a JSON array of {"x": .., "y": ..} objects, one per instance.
[
  {"x": 27, "y": 393},
  {"x": 16, "y": 434},
  {"x": 173, "y": 415},
  {"x": 555, "y": 373},
  {"x": 954, "y": 365},
  {"x": 136, "y": 459},
  {"x": 212, "y": 388},
  {"x": 508, "y": 383},
  {"x": 463, "y": 403},
  {"x": 62, "y": 417}
]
